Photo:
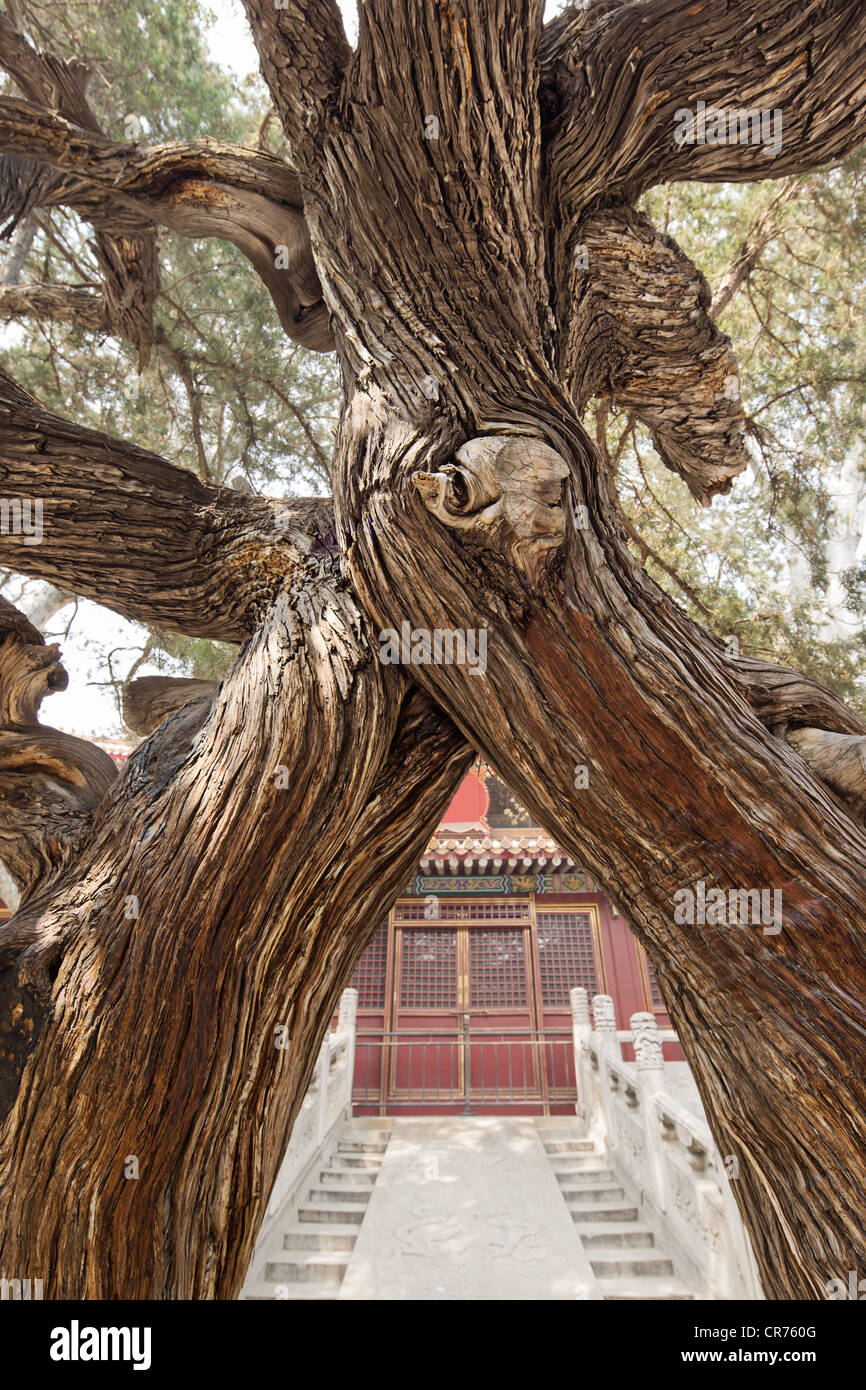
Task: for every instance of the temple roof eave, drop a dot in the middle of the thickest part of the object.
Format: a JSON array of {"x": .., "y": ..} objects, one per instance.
[{"x": 523, "y": 851}]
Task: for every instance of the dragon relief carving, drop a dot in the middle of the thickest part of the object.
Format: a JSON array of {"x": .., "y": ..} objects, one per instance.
[{"x": 505, "y": 492}]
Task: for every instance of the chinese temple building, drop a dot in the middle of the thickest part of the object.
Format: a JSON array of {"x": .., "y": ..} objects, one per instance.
[{"x": 463, "y": 993}]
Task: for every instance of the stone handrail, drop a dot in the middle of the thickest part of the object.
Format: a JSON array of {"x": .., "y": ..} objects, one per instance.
[
  {"x": 324, "y": 1109},
  {"x": 661, "y": 1148}
]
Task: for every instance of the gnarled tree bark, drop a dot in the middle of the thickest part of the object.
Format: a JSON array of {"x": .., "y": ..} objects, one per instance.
[{"x": 448, "y": 171}]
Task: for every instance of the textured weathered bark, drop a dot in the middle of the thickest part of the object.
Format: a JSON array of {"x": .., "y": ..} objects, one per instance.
[
  {"x": 229, "y": 882},
  {"x": 149, "y": 701},
  {"x": 450, "y": 169},
  {"x": 197, "y": 189},
  {"x": 61, "y": 303},
  {"x": 48, "y": 779},
  {"x": 128, "y": 263}
]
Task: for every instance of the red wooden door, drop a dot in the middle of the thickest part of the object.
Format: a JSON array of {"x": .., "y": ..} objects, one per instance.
[
  {"x": 504, "y": 1050},
  {"x": 470, "y": 965},
  {"x": 569, "y": 953},
  {"x": 425, "y": 1063},
  {"x": 505, "y": 967}
]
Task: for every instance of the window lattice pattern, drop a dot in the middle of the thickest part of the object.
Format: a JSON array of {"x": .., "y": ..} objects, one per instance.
[
  {"x": 656, "y": 1001},
  {"x": 516, "y": 911},
  {"x": 369, "y": 976},
  {"x": 497, "y": 969},
  {"x": 428, "y": 970},
  {"x": 566, "y": 956}
]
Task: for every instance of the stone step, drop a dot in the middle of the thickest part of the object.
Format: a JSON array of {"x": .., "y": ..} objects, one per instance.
[
  {"x": 613, "y": 1235},
  {"x": 335, "y": 1193},
  {"x": 329, "y": 1237},
  {"x": 570, "y": 1146},
  {"x": 592, "y": 1193},
  {"x": 331, "y": 1213},
  {"x": 351, "y": 1160},
  {"x": 623, "y": 1264},
  {"x": 577, "y": 1163},
  {"x": 358, "y": 1133},
  {"x": 591, "y": 1176},
  {"x": 548, "y": 1132},
  {"x": 348, "y": 1177},
  {"x": 260, "y": 1292},
  {"x": 321, "y": 1267},
  {"x": 593, "y": 1212},
  {"x": 648, "y": 1289}
]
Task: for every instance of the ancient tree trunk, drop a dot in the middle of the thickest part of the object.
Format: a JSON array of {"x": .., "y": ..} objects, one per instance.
[
  {"x": 219, "y": 895},
  {"x": 467, "y": 181},
  {"x": 632, "y": 736}
]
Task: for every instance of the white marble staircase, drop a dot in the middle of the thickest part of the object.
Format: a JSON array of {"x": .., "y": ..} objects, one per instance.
[
  {"x": 308, "y": 1259},
  {"x": 622, "y": 1251}
]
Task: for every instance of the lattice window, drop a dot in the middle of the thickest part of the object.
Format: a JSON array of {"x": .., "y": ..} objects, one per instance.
[
  {"x": 656, "y": 1002},
  {"x": 497, "y": 969},
  {"x": 428, "y": 969},
  {"x": 566, "y": 956},
  {"x": 495, "y": 911},
  {"x": 369, "y": 976}
]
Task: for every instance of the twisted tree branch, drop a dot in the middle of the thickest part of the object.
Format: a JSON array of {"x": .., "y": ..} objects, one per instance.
[
  {"x": 303, "y": 53},
  {"x": 125, "y": 527},
  {"x": 58, "y": 303},
  {"x": 49, "y": 781},
  {"x": 196, "y": 189},
  {"x": 128, "y": 264},
  {"x": 616, "y": 80}
]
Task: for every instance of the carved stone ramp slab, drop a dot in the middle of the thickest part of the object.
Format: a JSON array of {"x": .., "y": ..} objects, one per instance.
[{"x": 467, "y": 1208}]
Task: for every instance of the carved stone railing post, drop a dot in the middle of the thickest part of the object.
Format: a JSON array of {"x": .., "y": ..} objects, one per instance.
[
  {"x": 348, "y": 1011},
  {"x": 650, "y": 1064},
  {"x": 660, "y": 1147},
  {"x": 323, "y": 1068},
  {"x": 347, "y": 1022},
  {"x": 607, "y": 1049},
  {"x": 581, "y": 1027},
  {"x": 604, "y": 1016}
]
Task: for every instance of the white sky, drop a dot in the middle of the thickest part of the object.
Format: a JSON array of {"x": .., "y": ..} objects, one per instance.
[{"x": 229, "y": 37}]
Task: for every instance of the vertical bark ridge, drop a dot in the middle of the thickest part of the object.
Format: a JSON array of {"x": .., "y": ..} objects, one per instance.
[{"x": 310, "y": 754}]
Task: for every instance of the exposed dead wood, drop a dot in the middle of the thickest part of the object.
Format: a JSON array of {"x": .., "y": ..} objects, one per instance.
[
  {"x": 784, "y": 699},
  {"x": 838, "y": 759},
  {"x": 49, "y": 781},
  {"x": 151, "y": 699},
  {"x": 197, "y": 189},
  {"x": 504, "y": 494},
  {"x": 638, "y": 330}
]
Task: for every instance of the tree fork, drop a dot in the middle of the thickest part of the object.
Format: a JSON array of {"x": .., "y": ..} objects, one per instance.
[
  {"x": 665, "y": 766},
  {"x": 452, "y": 514},
  {"x": 332, "y": 773}
]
